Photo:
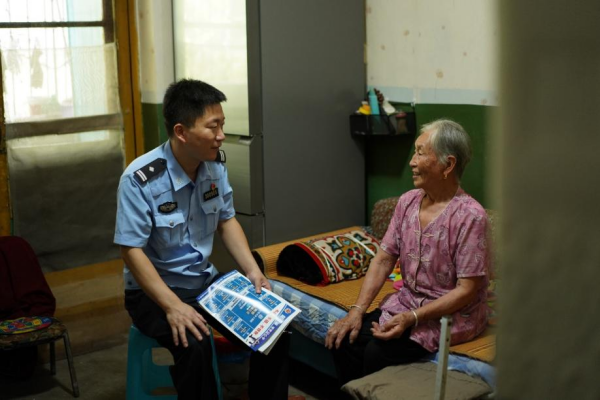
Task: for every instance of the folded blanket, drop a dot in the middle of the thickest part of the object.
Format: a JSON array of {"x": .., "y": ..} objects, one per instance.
[
  {"x": 343, "y": 295},
  {"x": 328, "y": 259}
]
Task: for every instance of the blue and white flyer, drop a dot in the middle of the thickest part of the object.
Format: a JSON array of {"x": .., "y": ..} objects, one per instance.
[{"x": 256, "y": 319}]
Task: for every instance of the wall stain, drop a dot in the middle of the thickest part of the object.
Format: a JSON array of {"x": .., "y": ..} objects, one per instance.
[{"x": 439, "y": 73}]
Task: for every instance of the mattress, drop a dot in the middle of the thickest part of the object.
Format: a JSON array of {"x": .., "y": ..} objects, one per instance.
[{"x": 318, "y": 315}]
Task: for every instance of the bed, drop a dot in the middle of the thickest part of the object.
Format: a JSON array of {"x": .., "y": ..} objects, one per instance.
[{"x": 322, "y": 305}]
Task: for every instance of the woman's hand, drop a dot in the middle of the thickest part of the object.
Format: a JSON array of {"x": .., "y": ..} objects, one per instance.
[
  {"x": 183, "y": 316},
  {"x": 350, "y": 323},
  {"x": 258, "y": 280},
  {"x": 395, "y": 327}
]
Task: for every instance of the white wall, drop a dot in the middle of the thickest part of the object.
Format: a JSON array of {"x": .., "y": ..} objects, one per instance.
[
  {"x": 433, "y": 51},
  {"x": 155, "y": 25}
]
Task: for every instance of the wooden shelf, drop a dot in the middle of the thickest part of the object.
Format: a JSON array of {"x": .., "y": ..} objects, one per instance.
[{"x": 398, "y": 124}]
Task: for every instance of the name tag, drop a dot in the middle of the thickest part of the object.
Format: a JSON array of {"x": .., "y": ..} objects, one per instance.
[{"x": 212, "y": 193}]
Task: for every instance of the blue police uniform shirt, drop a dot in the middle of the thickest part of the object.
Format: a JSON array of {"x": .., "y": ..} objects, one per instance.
[{"x": 177, "y": 240}]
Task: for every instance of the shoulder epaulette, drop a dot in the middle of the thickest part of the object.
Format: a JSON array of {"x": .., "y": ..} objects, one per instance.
[
  {"x": 221, "y": 156},
  {"x": 149, "y": 171}
]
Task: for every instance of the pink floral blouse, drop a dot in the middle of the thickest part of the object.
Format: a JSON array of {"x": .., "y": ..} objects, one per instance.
[{"x": 452, "y": 246}]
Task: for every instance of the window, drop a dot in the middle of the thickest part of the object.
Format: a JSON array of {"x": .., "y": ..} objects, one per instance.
[{"x": 65, "y": 132}]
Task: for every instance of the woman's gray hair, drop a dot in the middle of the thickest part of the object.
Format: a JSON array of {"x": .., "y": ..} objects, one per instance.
[{"x": 449, "y": 139}]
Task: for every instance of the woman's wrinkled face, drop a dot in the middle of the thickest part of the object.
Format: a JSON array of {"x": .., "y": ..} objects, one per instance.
[{"x": 426, "y": 169}]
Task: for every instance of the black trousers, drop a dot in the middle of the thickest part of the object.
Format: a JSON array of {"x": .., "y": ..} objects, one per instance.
[
  {"x": 368, "y": 354},
  {"x": 192, "y": 372}
]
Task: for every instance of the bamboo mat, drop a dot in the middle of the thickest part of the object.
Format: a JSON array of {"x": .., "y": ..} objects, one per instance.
[
  {"x": 343, "y": 294},
  {"x": 481, "y": 348}
]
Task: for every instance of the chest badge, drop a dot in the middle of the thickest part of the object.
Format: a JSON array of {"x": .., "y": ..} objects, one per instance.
[
  {"x": 212, "y": 193},
  {"x": 167, "y": 207}
]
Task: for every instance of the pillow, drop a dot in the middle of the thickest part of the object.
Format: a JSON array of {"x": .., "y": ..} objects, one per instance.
[
  {"x": 24, "y": 325},
  {"x": 328, "y": 259},
  {"x": 491, "y": 301},
  {"x": 414, "y": 381},
  {"x": 383, "y": 211}
]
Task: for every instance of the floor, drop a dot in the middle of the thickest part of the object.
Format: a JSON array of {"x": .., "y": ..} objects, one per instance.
[{"x": 102, "y": 376}]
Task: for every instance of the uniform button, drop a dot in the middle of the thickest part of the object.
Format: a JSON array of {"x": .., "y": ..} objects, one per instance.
[
  {"x": 214, "y": 209},
  {"x": 191, "y": 218},
  {"x": 171, "y": 223}
]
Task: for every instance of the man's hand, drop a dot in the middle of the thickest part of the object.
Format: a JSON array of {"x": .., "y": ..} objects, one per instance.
[
  {"x": 350, "y": 323},
  {"x": 235, "y": 242},
  {"x": 259, "y": 280},
  {"x": 183, "y": 316},
  {"x": 393, "y": 328}
]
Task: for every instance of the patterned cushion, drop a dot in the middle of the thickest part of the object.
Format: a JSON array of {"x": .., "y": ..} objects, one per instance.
[
  {"x": 53, "y": 332},
  {"x": 23, "y": 325},
  {"x": 383, "y": 210},
  {"x": 328, "y": 259}
]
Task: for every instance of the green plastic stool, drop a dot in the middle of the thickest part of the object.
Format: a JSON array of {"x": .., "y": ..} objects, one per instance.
[{"x": 143, "y": 376}]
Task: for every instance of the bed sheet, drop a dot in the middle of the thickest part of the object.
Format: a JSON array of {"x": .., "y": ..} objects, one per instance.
[{"x": 316, "y": 316}]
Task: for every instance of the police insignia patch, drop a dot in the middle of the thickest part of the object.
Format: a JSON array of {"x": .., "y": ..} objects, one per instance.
[
  {"x": 167, "y": 207},
  {"x": 149, "y": 171},
  {"x": 221, "y": 157}
]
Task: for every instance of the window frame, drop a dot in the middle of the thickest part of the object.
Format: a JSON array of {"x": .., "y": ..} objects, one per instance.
[{"x": 119, "y": 25}]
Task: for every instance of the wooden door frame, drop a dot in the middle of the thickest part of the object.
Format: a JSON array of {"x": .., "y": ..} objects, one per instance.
[
  {"x": 5, "y": 210},
  {"x": 129, "y": 77}
]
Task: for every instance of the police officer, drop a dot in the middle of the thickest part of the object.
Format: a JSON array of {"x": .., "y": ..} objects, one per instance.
[{"x": 170, "y": 203}]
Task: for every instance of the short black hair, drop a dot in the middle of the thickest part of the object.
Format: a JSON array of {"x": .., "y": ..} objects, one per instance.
[{"x": 186, "y": 100}]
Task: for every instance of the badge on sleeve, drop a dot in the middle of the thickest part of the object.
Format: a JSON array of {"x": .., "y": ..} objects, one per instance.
[
  {"x": 167, "y": 207},
  {"x": 212, "y": 193}
]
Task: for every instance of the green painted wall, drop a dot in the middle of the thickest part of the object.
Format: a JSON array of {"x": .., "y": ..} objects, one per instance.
[
  {"x": 387, "y": 157},
  {"x": 155, "y": 132}
]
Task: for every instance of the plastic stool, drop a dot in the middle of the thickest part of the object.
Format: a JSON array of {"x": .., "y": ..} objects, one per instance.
[{"x": 143, "y": 376}]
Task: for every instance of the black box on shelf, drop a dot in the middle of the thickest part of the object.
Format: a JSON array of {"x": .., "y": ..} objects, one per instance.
[{"x": 402, "y": 123}]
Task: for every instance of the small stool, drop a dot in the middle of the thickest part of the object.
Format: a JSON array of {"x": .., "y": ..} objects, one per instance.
[
  {"x": 54, "y": 332},
  {"x": 144, "y": 376}
]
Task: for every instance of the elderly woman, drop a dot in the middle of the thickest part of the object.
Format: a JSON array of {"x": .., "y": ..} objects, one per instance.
[{"x": 438, "y": 234}]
